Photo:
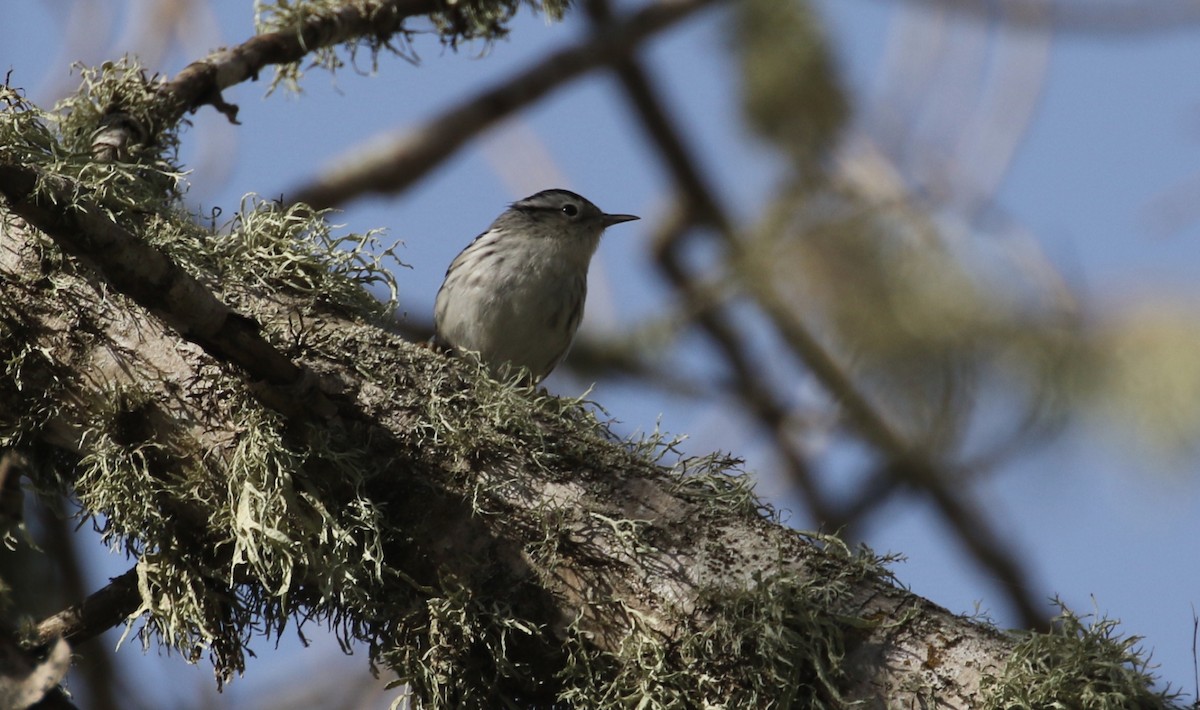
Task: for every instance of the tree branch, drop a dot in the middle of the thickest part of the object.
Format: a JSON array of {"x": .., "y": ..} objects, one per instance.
[
  {"x": 590, "y": 547},
  {"x": 411, "y": 154},
  {"x": 101, "y": 611},
  {"x": 202, "y": 81}
]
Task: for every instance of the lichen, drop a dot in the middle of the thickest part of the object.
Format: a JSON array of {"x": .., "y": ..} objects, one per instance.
[
  {"x": 777, "y": 642},
  {"x": 454, "y": 651},
  {"x": 148, "y": 177},
  {"x": 1079, "y": 664},
  {"x": 235, "y": 537},
  {"x": 455, "y": 21},
  {"x": 296, "y": 250}
]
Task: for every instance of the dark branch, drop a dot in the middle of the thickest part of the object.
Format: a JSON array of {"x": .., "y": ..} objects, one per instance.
[
  {"x": 915, "y": 468},
  {"x": 202, "y": 81},
  {"x": 101, "y": 611},
  {"x": 415, "y": 152},
  {"x": 703, "y": 208}
]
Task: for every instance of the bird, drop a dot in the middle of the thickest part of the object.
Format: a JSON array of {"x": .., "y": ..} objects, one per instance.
[{"x": 514, "y": 296}]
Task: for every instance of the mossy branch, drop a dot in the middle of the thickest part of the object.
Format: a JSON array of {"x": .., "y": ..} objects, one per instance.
[
  {"x": 290, "y": 32},
  {"x": 293, "y": 38},
  {"x": 153, "y": 280},
  {"x": 453, "y": 523}
]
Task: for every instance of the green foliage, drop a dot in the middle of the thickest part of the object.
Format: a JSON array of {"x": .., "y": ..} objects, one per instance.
[
  {"x": 1076, "y": 665},
  {"x": 934, "y": 328},
  {"x": 926, "y": 326},
  {"x": 1141, "y": 377}
]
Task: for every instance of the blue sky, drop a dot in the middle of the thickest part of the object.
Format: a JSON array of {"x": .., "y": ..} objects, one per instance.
[{"x": 1116, "y": 127}]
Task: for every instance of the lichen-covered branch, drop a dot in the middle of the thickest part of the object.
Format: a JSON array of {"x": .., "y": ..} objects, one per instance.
[
  {"x": 202, "y": 81},
  {"x": 157, "y": 283},
  {"x": 453, "y": 522},
  {"x": 289, "y": 33}
]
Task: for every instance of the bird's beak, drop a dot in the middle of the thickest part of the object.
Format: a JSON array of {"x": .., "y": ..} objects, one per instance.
[{"x": 611, "y": 219}]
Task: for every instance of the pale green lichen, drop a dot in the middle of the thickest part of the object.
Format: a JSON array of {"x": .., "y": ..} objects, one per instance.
[
  {"x": 32, "y": 374},
  {"x": 222, "y": 530},
  {"x": 27, "y": 136},
  {"x": 295, "y": 249},
  {"x": 779, "y": 642},
  {"x": 58, "y": 143},
  {"x": 789, "y": 633},
  {"x": 719, "y": 479},
  {"x": 255, "y": 517},
  {"x": 455, "y": 651},
  {"x": 148, "y": 172},
  {"x": 279, "y": 524},
  {"x": 454, "y": 21},
  {"x": 1079, "y": 664}
]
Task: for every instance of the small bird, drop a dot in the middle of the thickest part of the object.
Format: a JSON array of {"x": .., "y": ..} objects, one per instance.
[{"x": 514, "y": 297}]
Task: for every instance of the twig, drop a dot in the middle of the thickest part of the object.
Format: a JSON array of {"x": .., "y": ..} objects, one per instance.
[
  {"x": 12, "y": 501},
  {"x": 202, "y": 81},
  {"x": 101, "y": 611},
  {"x": 749, "y": 385},
  {"x": 754, "y": 392},
  {"x": 94, "y": 665},
  {"x": 988, "y": 548}
]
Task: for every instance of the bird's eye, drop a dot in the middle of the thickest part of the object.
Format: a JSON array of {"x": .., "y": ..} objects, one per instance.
[{"x": 570, "y": 210}]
